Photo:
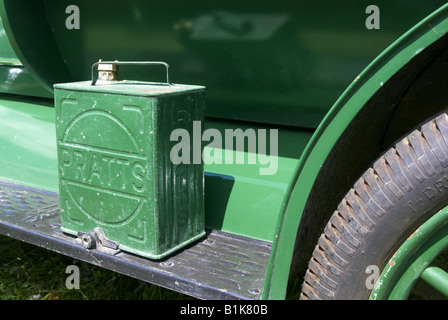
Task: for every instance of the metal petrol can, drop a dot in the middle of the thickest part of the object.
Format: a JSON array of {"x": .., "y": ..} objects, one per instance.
[{"x": 118, "y": 184}]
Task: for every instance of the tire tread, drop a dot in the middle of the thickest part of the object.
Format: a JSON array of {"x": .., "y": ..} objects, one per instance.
[{"x": 397, "y": 172}]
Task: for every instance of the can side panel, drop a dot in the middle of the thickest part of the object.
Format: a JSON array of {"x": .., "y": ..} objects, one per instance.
[
  {"x": 180, "y": 199},
  {"x": 104, "y": 151}
]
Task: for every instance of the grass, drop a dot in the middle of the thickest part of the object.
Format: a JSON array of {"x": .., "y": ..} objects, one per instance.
[{"x": 28, "y": 272}]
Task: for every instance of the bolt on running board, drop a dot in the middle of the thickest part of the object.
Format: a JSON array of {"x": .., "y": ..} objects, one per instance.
[{"x": 96, "y": 239}]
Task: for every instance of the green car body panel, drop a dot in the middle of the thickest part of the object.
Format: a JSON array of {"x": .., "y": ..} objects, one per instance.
[{"x": 289, "y": 66}]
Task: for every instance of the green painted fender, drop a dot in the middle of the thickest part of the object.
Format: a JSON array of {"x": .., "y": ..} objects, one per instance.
[{"x": 331, "y": 128}]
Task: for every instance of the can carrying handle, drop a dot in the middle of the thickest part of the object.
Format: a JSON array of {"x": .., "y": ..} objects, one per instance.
[{"x": 139, "y": 63}]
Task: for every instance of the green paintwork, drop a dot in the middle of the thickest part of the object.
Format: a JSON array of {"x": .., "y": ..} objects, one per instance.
[
  {"x": 30, "y": 39},
  {"x": 287, "y": 67},
  {"x": 286, "y": 73},
  {"x": 413, "y": 260},
  {"x": 7, "y": 54},
  {"x": 233, "y": 189},
  {"x": 115, "y": 164},
  {"x": 14, "y": 78},
  {"x": 17, "y": 80},
  {"x": 436, "y": 278},
  {"x": 330, "y": 129},
  {"x": 28, "y": 142}
]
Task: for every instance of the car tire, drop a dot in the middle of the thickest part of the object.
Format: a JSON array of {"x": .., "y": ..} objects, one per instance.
[{"x": 403, "y": 188}]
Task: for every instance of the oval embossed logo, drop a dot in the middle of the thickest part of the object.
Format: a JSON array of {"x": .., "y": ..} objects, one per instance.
[{"x": 102, "y": 166}]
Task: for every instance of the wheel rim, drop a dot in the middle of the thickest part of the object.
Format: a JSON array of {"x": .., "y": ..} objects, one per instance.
[{"x": 414, "y": 260}]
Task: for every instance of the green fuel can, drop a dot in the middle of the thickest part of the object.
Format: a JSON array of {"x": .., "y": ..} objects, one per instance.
[{"x": 116, "y": 174}]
